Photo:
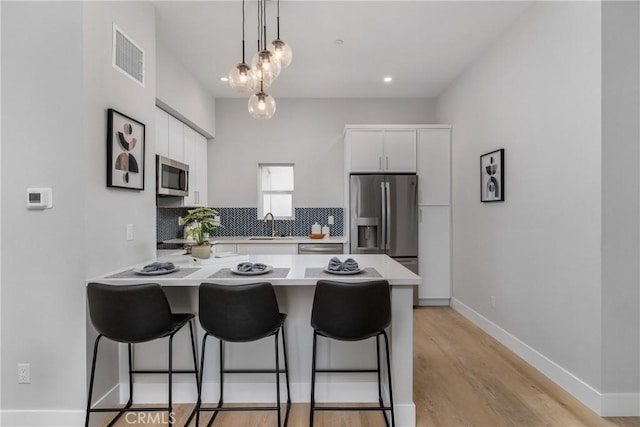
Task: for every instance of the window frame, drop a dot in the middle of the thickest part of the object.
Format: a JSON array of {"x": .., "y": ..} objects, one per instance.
[{"x": 262, "y": 193}]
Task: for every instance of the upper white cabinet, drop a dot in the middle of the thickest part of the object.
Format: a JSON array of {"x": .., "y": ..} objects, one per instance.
[
  {"x": 178, "y": 141},
  {"x": 195, "y": 155},
  {"x": 434, "y": 163},
  {"x": 162, "y": 133},
  {"x": 382, "y": 150}
]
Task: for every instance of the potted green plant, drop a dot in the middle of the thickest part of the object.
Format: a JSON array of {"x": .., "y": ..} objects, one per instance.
[{"x": 200, "y": 222}]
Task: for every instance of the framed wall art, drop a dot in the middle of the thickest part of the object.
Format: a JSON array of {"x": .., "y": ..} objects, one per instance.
[
  {"x": 492, "y": 176},
  {"x": 125, "y": 151}
]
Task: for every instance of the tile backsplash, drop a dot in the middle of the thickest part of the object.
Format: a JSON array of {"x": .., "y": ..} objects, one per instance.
[{"x": 244, "y": 222}]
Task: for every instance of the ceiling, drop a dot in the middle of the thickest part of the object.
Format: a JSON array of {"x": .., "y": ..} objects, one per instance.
[{"x": 422, "y": 45}]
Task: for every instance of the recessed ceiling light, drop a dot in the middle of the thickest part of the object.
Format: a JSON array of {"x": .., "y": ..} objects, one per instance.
[
  {"x": 388, "y": 79},
  {"x": 339, "y": 41},
  {"x": 224, "y": 79}
]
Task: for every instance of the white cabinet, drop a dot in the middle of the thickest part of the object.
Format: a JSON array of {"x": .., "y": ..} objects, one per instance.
[
  {"x": 434, "y": 250},
  {"x": 434, "y": 163},
  {"x": 178, "y": 141},
  {"x": 162, "y": 133},
  {"x": 224, "y": 247},
  {"x": 195, "y": 155},
  {"x": 382, "y": 150},
  {"x": 268, "y": 248}
]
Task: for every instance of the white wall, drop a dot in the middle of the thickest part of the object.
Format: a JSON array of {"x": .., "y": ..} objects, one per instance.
[
  {"x": 537, "y": 94},
  {"x": 307, "y": 132},
  {"x": 620, "y": 201},
  {"x": 108, "y": 210},
  {"x": 57, "y": 84},
  {"x": 43, "y": 252},
  {"x": 179, "y": 93}
]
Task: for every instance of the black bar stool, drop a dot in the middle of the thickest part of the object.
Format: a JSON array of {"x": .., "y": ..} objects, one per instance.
[
  {"x": 352, "y": 312},
  {"x": 136, "y": 314},
  {"x": 241, "y": 313}
]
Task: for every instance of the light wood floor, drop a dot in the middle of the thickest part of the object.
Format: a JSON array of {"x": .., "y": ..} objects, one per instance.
[{"x": 462, "y": 377}]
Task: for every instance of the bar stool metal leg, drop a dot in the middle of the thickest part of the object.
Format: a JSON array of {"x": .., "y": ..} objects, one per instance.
[
  {"x": 286, "y": 375},
  {"x": 386, "y": 346},
  {"x": 312, "y": 402},
  {"x": 278, "y": 381}
]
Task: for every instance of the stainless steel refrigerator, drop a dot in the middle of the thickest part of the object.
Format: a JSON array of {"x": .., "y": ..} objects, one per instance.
[{"x": 384, "y": 216}]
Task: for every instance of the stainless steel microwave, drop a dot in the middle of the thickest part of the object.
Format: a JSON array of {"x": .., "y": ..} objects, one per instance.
[{"x": 172, "y": 177}]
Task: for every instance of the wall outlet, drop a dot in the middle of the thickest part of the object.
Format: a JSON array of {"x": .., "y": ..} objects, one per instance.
[
  {"x": 129, "y": 232},
  {"x": 217, "y": 218},
  {"x": 330, "y": 220},
  {"x": 493, "y": 301},
  {"x": 24, "y": 373}
]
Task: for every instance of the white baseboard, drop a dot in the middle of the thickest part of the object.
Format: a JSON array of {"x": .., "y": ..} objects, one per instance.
[
  {"x": 609, "y": 404},
  {"x": 434, "y": 302},
  {"x": 620, "y": 405},
  {"x": 42, "y": 418}
]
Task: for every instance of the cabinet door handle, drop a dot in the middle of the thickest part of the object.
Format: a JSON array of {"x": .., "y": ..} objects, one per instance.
[
  {"x": 379, "y": 162},
  {"x": 387, "y": 163},
  {"x": 420, "y": 215},
  {"x": 197, "y": 196}
]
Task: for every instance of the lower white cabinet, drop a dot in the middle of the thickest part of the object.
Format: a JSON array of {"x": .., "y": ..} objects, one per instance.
[
  {"x": 434, "y": 249},
  {"x": 224, "y": 247},
  {"x": 271, "y": 248}
]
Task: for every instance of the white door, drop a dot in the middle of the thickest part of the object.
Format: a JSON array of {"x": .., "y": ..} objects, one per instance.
[
  {"x": 400, "y": 150},
  {"x": 162, "y": 133},
  {"x": 434, "y": 163},
  {"x": 366, "y": 150},
  {"x": 434, "y": 252},
  {"x": 176, "y": 139}
]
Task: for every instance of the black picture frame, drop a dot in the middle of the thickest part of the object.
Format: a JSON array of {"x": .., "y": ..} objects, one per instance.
[
  {"x": 125, "y": 151},
  {"x": 492, "y": 176}
]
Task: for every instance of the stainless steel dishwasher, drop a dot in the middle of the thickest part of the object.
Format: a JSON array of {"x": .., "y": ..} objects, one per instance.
[{"x": 320, "y": 248}]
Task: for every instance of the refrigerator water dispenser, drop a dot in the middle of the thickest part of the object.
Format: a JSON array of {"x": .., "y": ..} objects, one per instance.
[{"x": 368, "y": 233}]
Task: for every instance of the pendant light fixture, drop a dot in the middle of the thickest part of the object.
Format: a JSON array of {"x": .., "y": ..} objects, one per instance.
[
  {"x": 264, "y": 63},
  {"x": 281, "y": 49},
  {"x": 262, "y": 105},
  {"x": 265, "y": 66},
  {"x": 240, "y": 77}
]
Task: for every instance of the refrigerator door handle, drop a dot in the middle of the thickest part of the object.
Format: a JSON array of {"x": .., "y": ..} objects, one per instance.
[
  {"x": 388, "y": 209},
  {"x": 383, "y": 243}
]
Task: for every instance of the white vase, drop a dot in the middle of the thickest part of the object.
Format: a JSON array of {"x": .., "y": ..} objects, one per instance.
[{"x": 201, "y": 251}]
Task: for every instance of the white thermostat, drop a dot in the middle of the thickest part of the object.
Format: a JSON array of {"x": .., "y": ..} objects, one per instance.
[{"x": 39, "y": 198}]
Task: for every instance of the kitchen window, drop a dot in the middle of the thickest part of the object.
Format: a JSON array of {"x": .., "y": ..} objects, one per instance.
[{"x": 275, "y": 190}]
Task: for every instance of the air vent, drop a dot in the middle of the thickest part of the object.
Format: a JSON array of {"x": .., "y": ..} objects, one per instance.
[{"x": 128, "y": 57}]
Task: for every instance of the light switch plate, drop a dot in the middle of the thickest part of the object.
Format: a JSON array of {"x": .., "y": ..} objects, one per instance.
[
  {"x": 330, "y": 220},
  {"x": 129, "y": 232}
]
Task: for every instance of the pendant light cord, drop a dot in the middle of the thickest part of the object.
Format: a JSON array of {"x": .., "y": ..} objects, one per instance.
[
  {"x": 264, "y": 24},
  {"x": 278, "y": 20},
  {"x": 243, "y": 32}
]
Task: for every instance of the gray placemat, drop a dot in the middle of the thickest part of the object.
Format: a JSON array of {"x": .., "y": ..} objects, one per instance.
[
  {"x": 225, "y": 273},
  {"x": 130, "y": 274},
  {"x": 321, "y": 274}
]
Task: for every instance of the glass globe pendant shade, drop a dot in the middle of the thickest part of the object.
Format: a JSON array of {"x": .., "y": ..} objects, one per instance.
[
  {"x": 259, "y": 74},
  {"x": 262, "y": 106},
  {"x": 241, "y": 79},
  {"x": 266, "y": 61},
  {"x": 282, "y": 51}
]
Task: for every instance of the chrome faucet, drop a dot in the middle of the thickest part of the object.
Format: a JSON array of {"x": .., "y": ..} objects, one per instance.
[{"x": 273, "y": 223}]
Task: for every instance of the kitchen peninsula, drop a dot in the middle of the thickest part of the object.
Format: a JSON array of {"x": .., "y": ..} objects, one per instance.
[{"x": 294, "y": 278}]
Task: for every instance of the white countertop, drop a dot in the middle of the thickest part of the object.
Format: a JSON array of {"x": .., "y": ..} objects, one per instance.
[
  {"x": 216, "y": 240},
  {"x": 388, "y": 268}
]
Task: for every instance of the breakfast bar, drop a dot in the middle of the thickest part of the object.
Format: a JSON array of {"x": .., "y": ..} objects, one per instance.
[{"x": 294, "y": 278}]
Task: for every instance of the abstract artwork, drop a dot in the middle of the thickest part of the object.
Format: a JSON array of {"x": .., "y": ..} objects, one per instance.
[
  {"x": 492, "y": 176},
  {"x": 125, "y": 151}
]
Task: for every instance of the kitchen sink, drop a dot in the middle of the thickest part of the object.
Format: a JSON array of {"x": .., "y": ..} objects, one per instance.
[{"x": 271, "y": 238}]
